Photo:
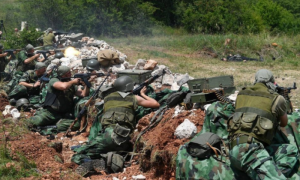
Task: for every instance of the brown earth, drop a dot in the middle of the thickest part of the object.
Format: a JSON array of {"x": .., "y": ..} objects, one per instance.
[
  {"x": 3, "y": 101},
  {"x": 52, "y": 157}
]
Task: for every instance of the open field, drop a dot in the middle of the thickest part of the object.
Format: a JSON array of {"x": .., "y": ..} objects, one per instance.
[{"x": 192, "y": 54}]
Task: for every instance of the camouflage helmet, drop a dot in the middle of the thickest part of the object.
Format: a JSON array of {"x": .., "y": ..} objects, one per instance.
[
  {"x": 40, "y": 65},
  {"x": 23, "y": 102},
  {"x": 93, "y": 65},
  {"x": 59, "y": 55},
  {"x": 124, "y": 84},
  {"x": 61, "y": 70}
]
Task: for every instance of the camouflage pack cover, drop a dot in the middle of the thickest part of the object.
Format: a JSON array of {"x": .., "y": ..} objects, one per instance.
[{"x": 188, "y": 167}]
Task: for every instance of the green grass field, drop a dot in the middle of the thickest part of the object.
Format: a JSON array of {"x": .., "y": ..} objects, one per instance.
[{"x": 188, "y": 54}]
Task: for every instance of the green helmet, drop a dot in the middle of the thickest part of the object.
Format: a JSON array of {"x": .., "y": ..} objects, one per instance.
[
  {"x": 59, "y": 55},
  {"x": 39, "y": 65},
  {"x": 23, "y": 102},
  {"x": 29, "y": 47},
  {"x": 93, "y": 65},
  {"x": 124, "y": 84},
  {"x": 61, "y": 70}
]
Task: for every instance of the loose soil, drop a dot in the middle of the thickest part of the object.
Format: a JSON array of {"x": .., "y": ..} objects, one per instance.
[
  {"x": 53, "y": 157},
  {"x": 3, "y": 101}
]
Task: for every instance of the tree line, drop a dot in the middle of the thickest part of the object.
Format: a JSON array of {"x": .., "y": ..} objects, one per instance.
[{"x": 116, "y": 18}]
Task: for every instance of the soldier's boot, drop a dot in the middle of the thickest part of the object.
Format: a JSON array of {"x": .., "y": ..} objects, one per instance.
[
  {"x": 84, "y": 168},
  {"x": 98, "y": 165}
]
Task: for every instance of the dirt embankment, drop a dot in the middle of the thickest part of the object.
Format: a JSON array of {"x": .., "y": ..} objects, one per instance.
[{"x": 154, "y": 158}]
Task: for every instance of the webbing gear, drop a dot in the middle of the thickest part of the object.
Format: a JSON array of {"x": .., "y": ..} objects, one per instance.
[
  {"x": 253, "y": 115},
  {"x": 241, "y": 140},
  {"x": 251, "y": 124}
]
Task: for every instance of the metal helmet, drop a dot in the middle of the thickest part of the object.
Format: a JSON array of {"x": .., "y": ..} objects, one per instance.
[
  {"x": 29, "y": 47},
  {"x": 124, "y": 84},
  {"x": 93, "y": 65},
  {"x": 40, "y": 65},
  {"x": 23, "y": 102},
  {"x": 59, "y": 55},
  {"x": 61, "y": 70}
]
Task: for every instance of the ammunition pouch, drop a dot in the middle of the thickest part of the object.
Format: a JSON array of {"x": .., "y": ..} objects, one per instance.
[
  {"x": 121, "y": 116},
  {"x": 252, "y": 124},
  {"x": 120, "y": 134},
  {"x": 114, "y": 162}
]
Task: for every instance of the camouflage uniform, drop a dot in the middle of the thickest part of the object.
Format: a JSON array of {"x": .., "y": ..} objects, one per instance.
[
  {"x": 251, "y": 149},
  {"x": 188, "y": 167},
  {"x": 3, "y": 62},
  {"x": 11, "y": 66},
  {"x": 63, "y": 106},
  {"x": 22, "y": 67},
  {"x": 18, "y": 90},
  {"x": 117, "y": 123}
]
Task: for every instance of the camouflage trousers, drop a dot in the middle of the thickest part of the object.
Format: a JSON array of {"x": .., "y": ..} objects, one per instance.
[
  {"x": 45, "y": 117},
  {"x": 276, "y": 161},
  {"x": 102, "y": 144}
]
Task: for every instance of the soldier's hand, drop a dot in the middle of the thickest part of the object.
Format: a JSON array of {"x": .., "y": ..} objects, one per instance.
[
  {"x": 37, "y": 55},
  {"x": 143, "y": 91},
  {"x": 76, "y": 81},
  {"x": 37, "y": 84},
  {"x": 93, "y": 77},
  {"x": 5, "y": 54}
]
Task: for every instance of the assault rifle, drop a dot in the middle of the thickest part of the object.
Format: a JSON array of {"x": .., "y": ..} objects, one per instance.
[
  {"x": 138, "y": 89},
  {"x": 84, "y": 109},
  {"x": 284, "y": 91},
  {"x": 11, "y": 52},
  {"x": 44, "y": 78},
  {"x": 86, "y": 76},
  {"x": 44, "y": 52}
]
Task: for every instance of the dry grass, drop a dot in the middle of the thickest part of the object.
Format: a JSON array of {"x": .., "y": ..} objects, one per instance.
[{"x": 198, "y": 64}]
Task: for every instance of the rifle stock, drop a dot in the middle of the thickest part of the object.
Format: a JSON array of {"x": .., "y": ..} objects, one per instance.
[{"x": 84, "y": 109}]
